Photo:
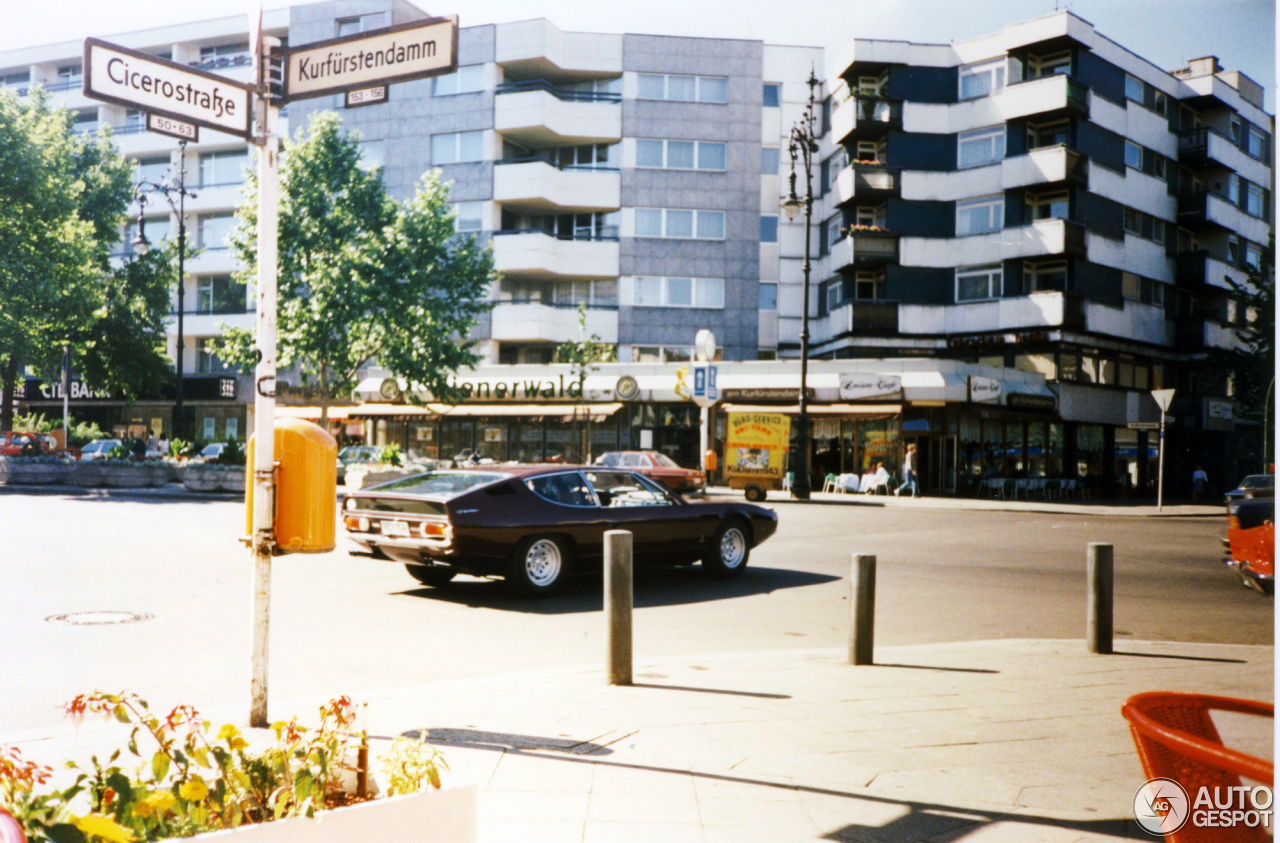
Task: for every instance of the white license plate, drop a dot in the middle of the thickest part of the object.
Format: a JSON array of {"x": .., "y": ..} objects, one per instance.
[{"x": 395, "y": 528}]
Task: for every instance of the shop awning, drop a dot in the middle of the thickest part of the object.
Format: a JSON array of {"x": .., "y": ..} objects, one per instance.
[
  {"x": 861, "y": 410},
  {"x": 402, "y": 412},
  {"x": 309, "y": 413},
  {"x": 596, "y": 411}
]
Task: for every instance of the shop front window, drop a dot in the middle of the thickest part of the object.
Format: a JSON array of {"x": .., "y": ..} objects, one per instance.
[
  {"x": 491, "y": 439},
  {"x": 422, "y": 442},
  {"x": 1126, "y": 459},
  {"x": 1013, "y": 464},
  {"x": 456, "y": 438},
  {"x": 1089, "y": 453},
  {"x": 992, "y": 448},
  {"x": 1036, "y": 465},
  {"x": 563, "y": 438},
  {"x": 970, "y": 456},
  {"x": 826, "y": 446},
  {"x": 878, "y": 442},
  {"x": 526, "y": 440},
  {"x": 849, "y": 447},
  {"x": 1053, "y": 461}
]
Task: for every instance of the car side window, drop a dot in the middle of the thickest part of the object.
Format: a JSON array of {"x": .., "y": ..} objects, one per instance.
[
  {"x": 618, "y": 488},
  {"x": 634, "y": 461},
  {"x": 610, "y": 459},
  {"x": 568, "y": 489}
]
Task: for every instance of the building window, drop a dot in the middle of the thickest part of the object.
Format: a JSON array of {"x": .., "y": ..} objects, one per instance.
[
  {"x": 983, "y": 78},
  {"x": 465, "y": 80},
  {"x": 978, "y": 283},
  {"x": 768, "y": 297},
  {"x": 680, "y": 155},
  {"x": 768, "y": 228},
  {"x": 1057, "y": 133},
  {"x": 769, "y": 157},
  {"x": 980, "y": 216},
  {"x": 772, "y": 95},
  {"x": 86, "y": 120},
  {"x": 373, "y": 155},
  {"x": 1039, "y": 67},
  {"x": 1253, "y": 257},
  {"x": 219, "y": 294},
  {"x": 361, "y": 23},
  {"x": 153, "y": 170},
  {"x": 680, "y": 224},
  {"x": 834, "y": 295},
  {"x": 832, "y": 167},
  {"x": 1132, "y": 155},
  {"x": 1256, "y": 144},
  {"x": 981, "y": 147},
  {"x": 1130, "y": 286},
  {"x": 1133, "y": 88},
  {"x": 657, "y": 86},
  {"x": 222, "y": 168},
  {"x": 16, "y": 80},
  {"x": 207, "y": 360},
  {"x": 1046, "y": 206},
  {"x": 1162, "y": 104},
  {"x": 1233, "y": 250},
  {"x": 592, "y": 156},
  {"x": 660, "y": 354},
  {"x": 215, "y": 232},
  {"x": 1161, "y": 171},
  {"x": 1132, "y": 221},
  {"x": 1253, "y": 201},
  {"x": 678, "y": 292},
  {"x": 601, "y": 293},
  {"x": 868, "y": 286},
  {"x": 1233, "y": 189},
  {"x": 457, "y": 147},
  {"x": 1045, "y": 277},
  {"x": 470, "y": 216},
  {"x": 1157, "y": 230}
]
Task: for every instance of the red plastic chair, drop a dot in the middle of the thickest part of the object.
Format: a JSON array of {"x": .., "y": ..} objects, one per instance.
[
  {"x": 10, "y": 831},
  {"x": 1176, "y": 739}
]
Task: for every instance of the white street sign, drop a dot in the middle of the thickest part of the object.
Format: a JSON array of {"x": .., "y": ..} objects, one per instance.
[
  {"x": 173, "y": 128},
  {"x": 395, "y": 54},
  {"x": 1163, "y": 397},
  {"x": 127, "y": 77}
]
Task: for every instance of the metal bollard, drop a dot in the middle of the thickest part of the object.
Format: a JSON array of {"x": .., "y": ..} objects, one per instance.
[
  {"x": 617, "y": 604},
  {"x": 1098, "y": 628},
  {"x": 862, "y": 609}
]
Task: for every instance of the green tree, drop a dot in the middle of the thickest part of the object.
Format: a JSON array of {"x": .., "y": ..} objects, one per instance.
[
  {"x": 362, "y": 277},
  {"x": 582, "y": 355},
  {"x": 63, "y": 198}
]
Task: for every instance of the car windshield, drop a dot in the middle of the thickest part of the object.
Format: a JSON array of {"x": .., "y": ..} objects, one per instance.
[
  {"x": 441, "y": 484},
  {"x": 356, "y": 452},
  {"x": 211, "y": 451},
  {"x": 664, "y": 460},
  {"x": 1259, "y": 481},
  {"x": 613, "y": 458}
]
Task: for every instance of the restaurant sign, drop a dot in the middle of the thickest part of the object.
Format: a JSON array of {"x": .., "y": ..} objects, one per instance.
[
  {"x": 855, "y": 386},
  {"x": 765, "y": 393},
  {"x": 1032, "y": 402},
  {"x": 984, "y": 389}
]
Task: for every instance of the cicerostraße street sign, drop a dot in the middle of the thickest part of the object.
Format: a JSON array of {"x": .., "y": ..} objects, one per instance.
[
  {"x": 398, "y": 53},
  {"x": 158, "y": 86}
]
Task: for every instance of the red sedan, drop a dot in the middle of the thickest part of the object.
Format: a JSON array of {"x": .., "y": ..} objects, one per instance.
[
  {"x": 657, "y": 465},
  {"x": 12, "y": 442}
]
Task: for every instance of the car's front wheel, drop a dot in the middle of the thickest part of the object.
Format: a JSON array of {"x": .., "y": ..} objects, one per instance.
[
  {"x": 729, "y": 551},
  {"x": 437, "y": 577},
  {"x": 539, "y": 566}
]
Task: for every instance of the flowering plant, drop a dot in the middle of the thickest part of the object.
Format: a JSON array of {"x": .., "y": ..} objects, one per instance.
[{"x": 855, "y": 229}]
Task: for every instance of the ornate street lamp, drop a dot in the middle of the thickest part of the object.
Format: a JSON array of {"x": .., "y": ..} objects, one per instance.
[
  {"x": 169, "y": 188},
  {"x": 803, "y": 146}
]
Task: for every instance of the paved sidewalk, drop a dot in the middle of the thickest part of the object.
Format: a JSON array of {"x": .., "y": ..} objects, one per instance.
[{"x": 1013, "y": 741}]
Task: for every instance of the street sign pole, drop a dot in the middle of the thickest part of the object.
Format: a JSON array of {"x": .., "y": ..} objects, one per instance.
[
  {"x": 1163, "y": 398},
  {"x": 264, "y": 492}
]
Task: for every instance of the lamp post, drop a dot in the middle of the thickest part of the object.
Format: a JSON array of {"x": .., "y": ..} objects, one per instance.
[
  {"x": 169, "y": 188},
  {"x": 804, "y": 143}
]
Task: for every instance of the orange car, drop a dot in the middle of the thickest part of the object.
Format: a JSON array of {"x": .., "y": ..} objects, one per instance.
[
  {"x": 656, "y": 465},
  {"x": 13, "y": 441},
  {"x": 1251, "y": 535}
]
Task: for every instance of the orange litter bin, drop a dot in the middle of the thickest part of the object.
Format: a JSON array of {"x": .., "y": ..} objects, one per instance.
[{"x": 1176, "y": 739}]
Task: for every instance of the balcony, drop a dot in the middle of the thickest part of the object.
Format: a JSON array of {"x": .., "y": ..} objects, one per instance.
[
  {"x": 863, "y": 250},
  {"x": 1205, "y": 210},
  {"x": 1044, "y": 97},
  {"x": 873, "y": 178},
  {"x": 1198, "y": 269},
  {"x": 537, "y": 255},
  {"x": 542, "y": 188},
  {"x": 1206, "y": 149},
  {"x": 532, "y": 321},
  {"x": 539, "y": 114},
  {"x": 1041, "y": 238},
  {"x": 872, "y": 117},
  {"x": 861, "y": 317},
  {"x": 1048, "y": 165},
  {"x": 1037, "y": 310},
  {"x": 1196, "y": 333}
]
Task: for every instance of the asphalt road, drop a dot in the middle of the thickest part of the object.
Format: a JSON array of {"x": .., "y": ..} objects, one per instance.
[{"x": 344, "y": 623}]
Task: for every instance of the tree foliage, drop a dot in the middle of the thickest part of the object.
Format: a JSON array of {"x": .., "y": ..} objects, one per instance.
[
  {"x": 1252, "y": 366},
  {"x": 63, "y": 198},
  {"x": 362, "y": 277}
]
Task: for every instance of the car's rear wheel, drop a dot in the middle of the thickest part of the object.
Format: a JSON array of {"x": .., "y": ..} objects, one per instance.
[
  {"x": 755, "y": 493},
  {"x": 539, "y": 566},
  {"x": 437, "y": 577},
  {"x": 729, "y": 551}
]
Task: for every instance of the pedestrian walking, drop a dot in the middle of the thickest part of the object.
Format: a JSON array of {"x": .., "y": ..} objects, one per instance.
[
  {"x": 1198, "y": 481},
  {"x": 909, "y": 478}
]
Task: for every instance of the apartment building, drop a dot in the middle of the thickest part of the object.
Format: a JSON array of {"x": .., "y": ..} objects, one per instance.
[{"x": 1017, "y": 238}]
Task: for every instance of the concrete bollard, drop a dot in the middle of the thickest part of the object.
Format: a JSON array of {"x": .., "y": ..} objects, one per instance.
[
  {"x": 1098, "y": 628},
  {"x": 862, "y": 609},
  {"x": 617, "y": 604}
]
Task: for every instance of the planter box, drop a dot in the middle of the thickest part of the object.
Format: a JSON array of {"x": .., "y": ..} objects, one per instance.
[
  {"x": 201, "y": 478},
  {"x": 39, "y": 473},
  {"x": 231, "y": 481},
  {"x": 127, "y": 476},
  {"x": 87, "y": 474},
  {"x": 161, "y": 474},
  {"x": 438, "y": 816}
]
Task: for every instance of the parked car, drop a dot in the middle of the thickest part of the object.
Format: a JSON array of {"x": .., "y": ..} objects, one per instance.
[
  {"x": 51, "y": 446},
  {"x": 355, "y": 455},
  {"x": 535, "y": 525},
  {"x": 13, "y": 441},
  {"x": 657, "y": 465},
  {"x": 212, "y": 451},
  {"x": 98, "y": 449},
  {"x": 1253, "y": 486},
  {"x": 1251, "y": 538}
]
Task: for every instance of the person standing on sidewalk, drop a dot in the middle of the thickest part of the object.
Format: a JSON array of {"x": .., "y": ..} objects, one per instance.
[
  {"x": 909, "y": 478},
  {"x": 1198, "y": 481}
]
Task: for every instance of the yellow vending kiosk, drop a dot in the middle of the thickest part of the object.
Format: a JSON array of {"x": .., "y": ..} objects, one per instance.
[
  {"x": 755, "y": 452},
  {"x": 306, "y": 488}
]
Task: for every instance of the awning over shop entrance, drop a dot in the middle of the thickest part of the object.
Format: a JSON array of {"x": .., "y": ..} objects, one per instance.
[
  {"x": 313, "y": 413},
  {"x": 597, "y": 411},
  {"x": 859, "y": 410}
]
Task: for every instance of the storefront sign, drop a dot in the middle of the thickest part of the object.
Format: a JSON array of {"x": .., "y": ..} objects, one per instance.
[
  {"x": 458, "y": 391},
  {"x": 1031, "y": 402},
  {"x": 855, "y": 386},
  {"x": 989, "y": 340},
  {"x": 1220, "y": 410},
  {"x": 765, "y": 393},
  {"x": 306, "y": 396},
  {"x": 34, "y": 390},
  {"x": 756, "y": 445},
  {"x": 984, "y": 389},
  {"x": 626, "y": 388}
]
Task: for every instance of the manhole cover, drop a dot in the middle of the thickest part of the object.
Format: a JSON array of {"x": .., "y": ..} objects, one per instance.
[{"x": 100, "y": 618}]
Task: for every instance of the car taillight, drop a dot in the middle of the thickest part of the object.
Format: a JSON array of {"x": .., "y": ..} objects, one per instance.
[
  {"x": 429, "y": 529},
  {"x": 1233, "y": 522},
  {"x": 357, "y": 523}
]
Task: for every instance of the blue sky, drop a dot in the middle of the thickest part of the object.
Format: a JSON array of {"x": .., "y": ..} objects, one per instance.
[{"x": 1242, "y": 33}]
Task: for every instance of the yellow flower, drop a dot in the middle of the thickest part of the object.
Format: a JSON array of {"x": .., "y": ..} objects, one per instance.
[
  {"x": 154, "y": 805},
  {"x": 237, "y": 743},
  {"x": 194, "y": 790},
  {"x": 96, "y": 825},
  {"x": 227, "y": 731}
]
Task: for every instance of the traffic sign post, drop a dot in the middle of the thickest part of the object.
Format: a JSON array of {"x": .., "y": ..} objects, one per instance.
[{"x": 1163, "y": 398}]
